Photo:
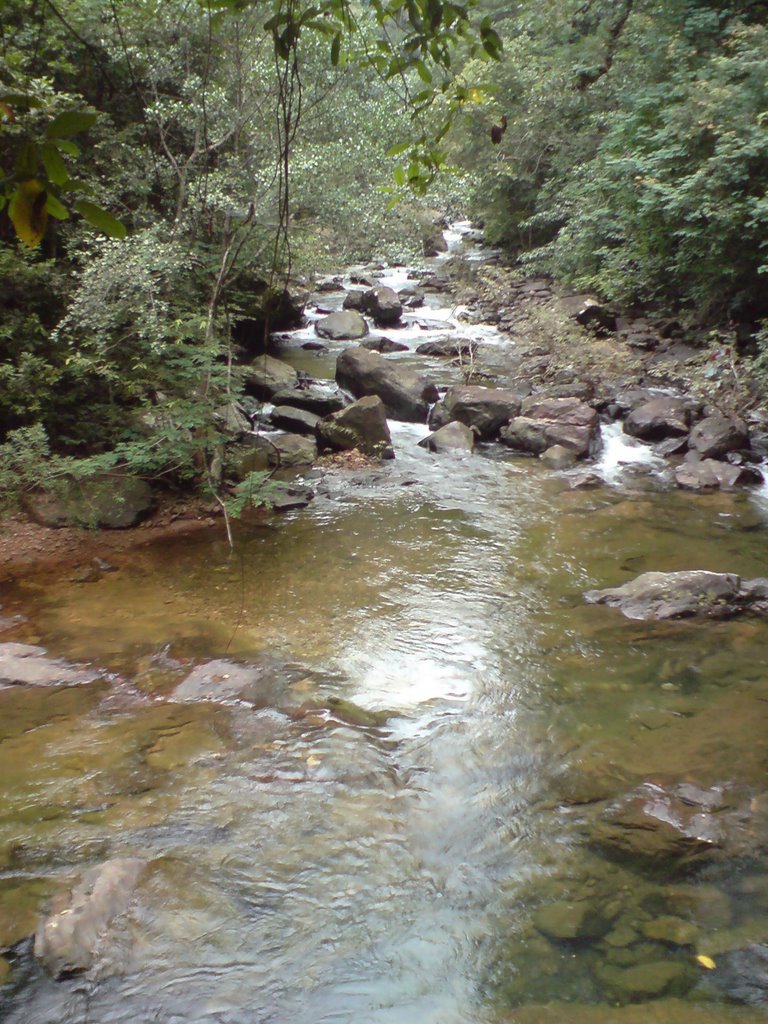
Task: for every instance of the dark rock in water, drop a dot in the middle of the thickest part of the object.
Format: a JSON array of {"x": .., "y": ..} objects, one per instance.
[
  {"x": 381, "y": 344},
  {"x": 411, "y": 298},
  {"x": 672, "y": 446},
  {"x": 383, "y": 304},
  {"x": 716, "y": 435},
  {"x": 69, "y": 938},
  {"x": 553, "y": 421},
  {"x": 329, "y": 284},
  {"x": 25, "y": 665},
  {"x": 290, "y": 496},
  {"x": 315, "y": 346},
  {"x": 405, "y": 393},
  {"x": 448, "y": 347},
  {"x": 742, "y": 975},
  {"x": 675, "y": 595},
  {"x": 453, "y": 437},
  {"x": 659, "y": 418},
  {"x": 302, "y": 421},
  {"x": 267, "y": 375},
  {"x": 571, "y": 922},
  {"x": 355, "y": 299},
  {"x": 223, "y": 681},
  {"x": 710, "y": 474},
  {"x": 347, "y": 325},
  {"x": 434, "y": 244},
  {"x": 486, "y": 410},
  {"x": 586, "y": 481},
  {"x": 111, "y": 502},
  {"x": 660, "y": 828},
  {"x": 362, "y": 425},
  {"x": 319, "y": 398}
]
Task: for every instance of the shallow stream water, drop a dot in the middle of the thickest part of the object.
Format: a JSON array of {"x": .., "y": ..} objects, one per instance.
[{"x": 316, "y": 865}]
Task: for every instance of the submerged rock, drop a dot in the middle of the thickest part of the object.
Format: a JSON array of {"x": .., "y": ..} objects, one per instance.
[
  {"x": 69, "y": 938},
  {"x": 485, "y": 410},
  {"x": 453, "y": 437},
  {"x": 571, "y": 922},
  {"x": 676, "y": 595},
  {"x": 405, "y": 393},
  {"x": 362, "y": 425},
  {"x": 25, "y": 665},
  {"x": 646, "y": 981}
]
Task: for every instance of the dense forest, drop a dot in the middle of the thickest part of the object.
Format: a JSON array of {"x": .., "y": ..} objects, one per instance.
[{"x": 172, "y": 170}]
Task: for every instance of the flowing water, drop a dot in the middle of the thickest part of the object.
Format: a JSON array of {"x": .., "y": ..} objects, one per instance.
[{"x": 380, "y": 862}]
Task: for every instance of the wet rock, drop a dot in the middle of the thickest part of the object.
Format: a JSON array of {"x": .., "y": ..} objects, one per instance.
[
  {"x": 716, "y": 435},
  {"x": 302, "y": 421},
  {"x": 382, "y": 344},
  {"x": 742, "y": 975},
  {"x": 114, "y": 502},
  {"x": 710, "y": 474},
  {"x": 321, "y": 398},
  {"x": 672, "y": 931},
  {"x": 314, "y": 346},
  {"x": 674, "y": 595},
  {"x": 346, "y": 325},
  {"x": 586, "y": 481},
  {"x": 453, "y": 437},
  {"x": 347, "y": 711},
  {"x": 559, "y": 457},
  {"x": 69, "y": 938},
  {"x": 25, "y": 665},
  {"x": 486, "y": 410},
  {"x": 595, "y": 316},
  {"x": 266, "y": 375},
  {"x": 290, "y": 496},
  {"x": 405, "y": 393},
  {"x": 329, "y": 284},
  {"x": 224, "y": 681},
  {"x": 448, "y": 347},
  {"x": 383, "y": 305},
  {"x": 706, "y": 905},
  {"x": 571, "y": 921},
  {"x": 434, "y": 244},
  {"x": 291, "y": 450},
  {"x": 362, "y": 425},
  {"x": 672, "y": 446},
  {"x": 658, "y": 419},
  {"x": 232, "y": 419},
  {"x": 411, "y": 298},
  {"x": 553, "y": 421},
  {"x": 355, "y": 299},
  {"x": 659, "y": 828},
  {"x": 646, "y": 981}
]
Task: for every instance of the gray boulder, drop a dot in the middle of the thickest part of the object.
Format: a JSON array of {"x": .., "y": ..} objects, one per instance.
[
  {"x": 658, "y": 419},
  {"x": 299, "y": 421},
  {"x": 547, "y": 422},
  {"x": 559, "y": 457},
  {"x": 716, "y": 435},
  {"x": 232, "y": 419},
  {"x": 453, "y": 437},
  {"x": 676, "y": 595},
  {"x": 405, "y": 393},
  {"x": 274, "y": 451},
  {"x": 383, "y": 304},
  {"x": 486, "y": 410},
  {"x": 355, "y": 299},
  {"x": 320, "y": 397},
  {"x": 448, "y": 347},
  {"x": 69, "y": 938},
  {"x": 267, "y": 375},
  {"x": 379, "y": 343},
  {"x": 710, "y": 474},
  {"x": 362, "y": 425},
  {"x": 26, "y": 665},
  {"x": 347, "y": 325}
]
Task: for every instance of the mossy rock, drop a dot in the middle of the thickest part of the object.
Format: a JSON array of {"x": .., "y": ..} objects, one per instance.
[
  {"x": 646, "y": 981},
  {"x": 576, "y": 921}
]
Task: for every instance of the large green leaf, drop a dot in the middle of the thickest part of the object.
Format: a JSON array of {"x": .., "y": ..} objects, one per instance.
[
  {"x": 55, "y": 167},
  {"x": 70, "y": 122},
  {"x": 100, "y": 219}
]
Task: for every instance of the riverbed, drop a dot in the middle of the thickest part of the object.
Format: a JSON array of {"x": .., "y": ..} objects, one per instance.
[{"x": 312, "y": 864}]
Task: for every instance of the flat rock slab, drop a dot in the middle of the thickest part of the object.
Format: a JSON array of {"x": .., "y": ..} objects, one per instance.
[
  {"x": 693, "y": 594},
  {"x": 25, "y": 665},
  {"x": 68, "y": 939},
  {"x": 259, "y": 684}
]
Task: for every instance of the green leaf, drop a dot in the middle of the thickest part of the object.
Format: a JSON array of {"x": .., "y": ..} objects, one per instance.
[
  {"x": 70, "y": 122},
  {"x": 336, "y": 49},
  {"x": 401, "y": 147},
  {"x": 55, "y": 208},
  {"x": 55, "y": 167},
  {"x": 66, "y": 146},
  {"x": 399, "y": 175},
  {"x": 424, "y": 73},
  {"x": 100, "y": 219},
  {"x": 26, "y": 160}
]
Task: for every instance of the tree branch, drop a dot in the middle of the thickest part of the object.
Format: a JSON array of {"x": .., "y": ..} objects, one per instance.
[{"x": 587, "y": 78}]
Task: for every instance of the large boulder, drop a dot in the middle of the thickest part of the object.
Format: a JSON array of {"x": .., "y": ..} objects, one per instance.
[
  {"x": 383, "y": 304},
  {"x": 453, "y": 437},
  {"x": 659, "y": 418},
  {"x": 362, "y": 425},
  {"x": 378, "y": 343},
  {"x": 546, "y": 422},
  {"x": 111, "y": 502},
  {"x": 299, "y": 421},
  {"x": 716, "y": 435},
  {"x": 346, "y": 325},
  {"x": 274, "y": 451},
  {"x": 448, "y": 347},
  {"x": 486, "y": 410},
  {"x": 711, "y": 474},
  {"x": 27, "y": 665},
  {"x": 267, "y": 375},
  {"x": 320, "y": 397},
  {"x": 405, "y": 393},
  {"x": 669, "y": 828},
  {"x": 69, "y": 938},
  {"x": 355, "y": 299},
  {"x": 676, "y": 595}
]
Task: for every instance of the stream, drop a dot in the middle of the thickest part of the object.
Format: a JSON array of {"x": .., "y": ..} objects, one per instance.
[{"x": 382, "y": 861}]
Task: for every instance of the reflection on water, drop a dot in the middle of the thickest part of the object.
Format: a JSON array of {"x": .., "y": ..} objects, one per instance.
[{"x": 308, "y": 867}]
